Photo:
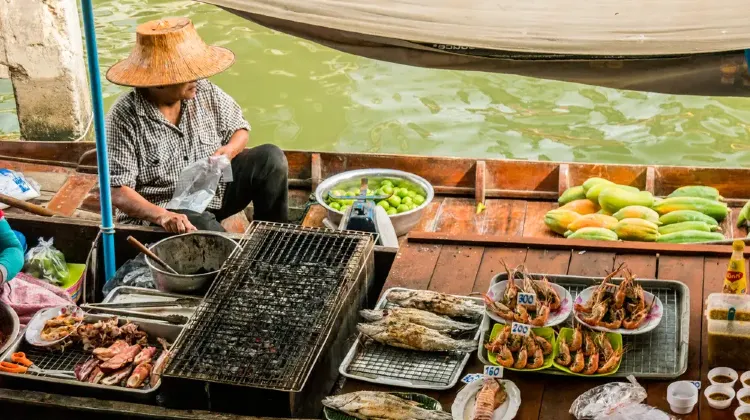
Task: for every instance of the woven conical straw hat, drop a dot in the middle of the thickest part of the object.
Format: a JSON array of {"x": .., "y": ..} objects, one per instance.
[{"x": 167, "y": 52}]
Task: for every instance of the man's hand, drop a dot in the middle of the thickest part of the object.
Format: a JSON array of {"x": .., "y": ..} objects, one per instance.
[
  {"x": 235, "y": 145},
  {"x": 175, "y": 222},
  {"x": 227, "y": 150}
]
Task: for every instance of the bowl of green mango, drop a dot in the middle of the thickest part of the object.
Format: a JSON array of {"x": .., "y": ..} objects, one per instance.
[{"x": 403, "y": 195}]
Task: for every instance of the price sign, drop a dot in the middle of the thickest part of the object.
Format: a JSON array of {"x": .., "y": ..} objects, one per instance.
[
  {"x": 493, "y": 371},
  {"x": 520, "y": 329},
  {"x": 527, "y": 299}
]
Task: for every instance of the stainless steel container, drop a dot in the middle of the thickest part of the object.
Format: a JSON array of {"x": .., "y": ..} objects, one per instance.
[
  {"x": 9, "y": 326},
  {"x": 402, "y": 222},
  {"x": 200, "y": 253}
]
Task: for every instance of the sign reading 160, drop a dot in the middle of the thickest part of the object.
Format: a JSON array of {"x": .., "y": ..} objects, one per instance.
[{"x": 493, "y": 371}]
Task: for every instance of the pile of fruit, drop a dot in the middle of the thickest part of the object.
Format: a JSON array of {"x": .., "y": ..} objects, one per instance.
[
  {"x": 602, "y": 210},
  {"x": 401, "y": 195}
]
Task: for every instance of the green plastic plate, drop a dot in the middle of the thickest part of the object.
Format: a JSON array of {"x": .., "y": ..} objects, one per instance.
[
  {"x": 424, "y": 401},
  {"x": 565, "y": 333},
  {"x": 546, "y": 332}
]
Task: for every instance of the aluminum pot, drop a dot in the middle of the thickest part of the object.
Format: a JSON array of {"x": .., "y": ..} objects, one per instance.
[
  {"x": 200, "y": 253},
  {"x": 402, "y": 222},
  {"x": 9, "y": 326}
]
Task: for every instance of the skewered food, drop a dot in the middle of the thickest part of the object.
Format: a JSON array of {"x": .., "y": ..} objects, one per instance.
[
  {"x": 437, "y": 303},
  {"x": 380, "y": 405},
  {"x": 419, "y": 317},
  {"x": 411, "y": 336}
]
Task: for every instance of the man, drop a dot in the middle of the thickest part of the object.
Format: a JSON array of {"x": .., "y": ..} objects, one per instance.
[{"x": 174, "y": 118}]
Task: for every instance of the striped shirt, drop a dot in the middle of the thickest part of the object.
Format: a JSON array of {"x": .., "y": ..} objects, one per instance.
[{"x": 148, "y": 153}]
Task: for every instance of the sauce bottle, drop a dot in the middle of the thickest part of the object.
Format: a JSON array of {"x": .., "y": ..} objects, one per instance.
[{"x": 736, "y": 281}]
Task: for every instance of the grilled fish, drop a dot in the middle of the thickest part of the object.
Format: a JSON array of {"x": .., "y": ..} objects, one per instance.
[
  {"x": 417, "y": 316},
  {"x": 437, "y": 303},
  {"x": 380, "y": 405},
  {"x": 410, "y": 336}
]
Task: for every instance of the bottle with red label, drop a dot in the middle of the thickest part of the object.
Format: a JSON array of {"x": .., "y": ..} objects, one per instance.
[{"x": 736, "y": 281}]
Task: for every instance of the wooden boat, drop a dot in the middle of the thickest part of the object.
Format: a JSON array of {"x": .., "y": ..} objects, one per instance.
[{"x": 453, "y": 249}]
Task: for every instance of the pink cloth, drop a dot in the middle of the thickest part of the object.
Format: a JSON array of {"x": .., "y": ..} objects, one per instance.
[{"x": 27, "y": 295}]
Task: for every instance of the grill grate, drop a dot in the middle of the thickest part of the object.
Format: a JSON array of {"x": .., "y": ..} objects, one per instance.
[
  {"x": 55, "y": 360},
  {"x": 266, "y": 317}
]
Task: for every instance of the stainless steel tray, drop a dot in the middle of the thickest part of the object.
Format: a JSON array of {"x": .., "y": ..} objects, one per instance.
[
  {"x": 381, "y": 364},
  {"x": 127, "y": 294},
  {"x": 68, "y": 359},
  {"x": 659, "y": 354}
]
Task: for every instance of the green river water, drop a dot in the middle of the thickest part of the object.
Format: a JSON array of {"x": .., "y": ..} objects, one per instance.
[{"x": 300, "y": 95}]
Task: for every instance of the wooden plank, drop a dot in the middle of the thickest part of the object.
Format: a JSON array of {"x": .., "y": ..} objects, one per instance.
[
  {"x": 503, "y": 217},
  {"x": 315, "y": 169},
  {"x": 457, "y": 216},
  {"x": 491, "y": 265},
  {"x": 650, "y": 179},
  {"x": 643, "y": 266},
  {"x": 558, "y": 243},
  {"x": 413, "y": 266},
  {"x": 688, "y": 270},
  {"x": 315, "y": 215},
  {"x": 728, "y": 225},
  {"x": 480, "y": 182},
  {"x": 533, "y": 225},
  {"x": 546, "y": 261},
  {"x": 429, "y": 218},
  {"x": 72, "y": 193},
  {"x": 236, "y": 223},
  {"x": 592, "y": 264},
  {"x": 456, "y": 269},
  {"x": 737, "y": 232},
  {"x": 564, "y": 178}
]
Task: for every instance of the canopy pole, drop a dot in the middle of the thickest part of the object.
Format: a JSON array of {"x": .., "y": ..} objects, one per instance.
[
  {"x": 747, "y": 60},
  {"x": 102, "y": 161}
]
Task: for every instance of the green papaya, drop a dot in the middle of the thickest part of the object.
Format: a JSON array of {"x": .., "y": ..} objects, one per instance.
[
  {"x": 744, "y": 214},
  {"x": 615, "y": 198},
  {"x": 637, "y": 212},
  {"x": 595, "y": 181},
  {"x": 712, "y": 208},
  {"x": 559, "y": 219},
  {"x": 593, "y": 192},
  {"x": 572, "y": 194},
  {"x": 636, "y": 230},
  {"x": 593, "y": 233},
  {"x": 693, "y": 225},
  {"x": 679, "y": 216},
  {"x": 700, "y": 191},
  {"x": 690, "y": 236}
]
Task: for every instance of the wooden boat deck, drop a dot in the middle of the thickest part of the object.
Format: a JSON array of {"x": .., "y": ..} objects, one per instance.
[{"x": 457, "y": 267}]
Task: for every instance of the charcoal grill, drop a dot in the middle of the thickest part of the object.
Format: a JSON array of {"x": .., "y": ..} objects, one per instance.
[{"x": 268, "y": 316}]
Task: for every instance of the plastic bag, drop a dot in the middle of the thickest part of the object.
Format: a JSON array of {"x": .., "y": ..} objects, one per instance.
[
  {"x": 17, "y": 186},
  {"x": 134, "y": 273},
  {"x": 46, "y": 262},
  {"x": 197, "y": 184},
  {"x": 616, "y": 401}
]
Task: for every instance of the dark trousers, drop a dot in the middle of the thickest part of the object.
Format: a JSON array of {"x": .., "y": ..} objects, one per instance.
[{"x": 259, "y": 176}]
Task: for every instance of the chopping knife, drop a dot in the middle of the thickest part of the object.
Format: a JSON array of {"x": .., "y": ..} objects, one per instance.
[{"x": 182, "y": 302}]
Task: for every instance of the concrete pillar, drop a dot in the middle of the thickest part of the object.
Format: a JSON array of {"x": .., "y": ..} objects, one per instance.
[{"x": 42, "y": 48}]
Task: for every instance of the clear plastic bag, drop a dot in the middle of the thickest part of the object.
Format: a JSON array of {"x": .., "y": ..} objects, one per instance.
[
  {"x": 616, "y": 401},
  {"x": 46, "y": 262},
  {"x": 16, "y": 185},
  {"x": 197, "y": 184}
]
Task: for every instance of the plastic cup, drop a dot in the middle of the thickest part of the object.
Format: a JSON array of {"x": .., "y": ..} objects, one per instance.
[
  {"x": 743, "y": 393},
  {"x": 745, "y": 377},
  {"x": 725, "y": 371},
  {"x": 743, "y": 409},
  {"x": 682, "y": 397},
  {"x": 720, "y": 389}
]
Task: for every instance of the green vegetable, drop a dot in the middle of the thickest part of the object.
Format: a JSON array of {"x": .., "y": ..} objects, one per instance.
[
  {"x": 402, "y": 208},
  {"x": 46, "y": 262},
  {"x": 391, "y": 211}
]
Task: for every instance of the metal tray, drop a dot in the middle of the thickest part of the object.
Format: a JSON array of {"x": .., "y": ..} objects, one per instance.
[
  {"x": 127, "y": 294},
  {"x": 381, "y": 364},
  {"x": 68, "y": 359},
  {"x": 659, "y": 354}
]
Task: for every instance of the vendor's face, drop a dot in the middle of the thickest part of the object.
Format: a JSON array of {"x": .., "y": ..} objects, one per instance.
[{"x": 174, "y": 93}]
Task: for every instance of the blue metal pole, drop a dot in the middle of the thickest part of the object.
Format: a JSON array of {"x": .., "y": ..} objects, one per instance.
[
  {"x": 108, "y": 228},
  {"x": 747, "y": 59}
]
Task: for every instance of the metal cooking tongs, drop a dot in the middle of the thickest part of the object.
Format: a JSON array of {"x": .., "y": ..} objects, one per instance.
[{"x": 182, "y": 302}]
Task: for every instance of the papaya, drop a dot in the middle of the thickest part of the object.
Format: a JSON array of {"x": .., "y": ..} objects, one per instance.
[
  {"x": 679, "y": 216},
  {"x": 700, "y": 191},
  {"x": 712, "y": 208},
  {"x": 604, "y": 212},
  {"x": 589, "y": 183},
  {"x": 582, "y": 206},
  {"x": 571, "y": 194},
  {"x": 690, "y": 236},
  {"x": 637, "y": 212},
  {"x": 594, "y": 233},
  {"x": 593, "y": 220},
  {"x": 614, "y": 198},
  {"x": 559, "y": 219},
  {"x": 593, "y": 193},
  {"x": 743, "y": 216},
  {"x": 636, "y": 230},
  {"x": 694, "y": 225}
]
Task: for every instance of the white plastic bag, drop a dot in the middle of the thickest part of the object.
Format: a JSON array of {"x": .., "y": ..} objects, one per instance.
[
  {"x": 616, "y": 401},
  {"x": 46, "y": 262},
  {"x": 17, "y": 186},
  {"x": 197, "y": 184}
]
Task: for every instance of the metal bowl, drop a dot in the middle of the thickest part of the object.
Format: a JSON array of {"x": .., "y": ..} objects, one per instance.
[
  {"x": 9, "y": 326},
  {"x": 203, "y": 253},
  {"x": 402, "y": 222}
]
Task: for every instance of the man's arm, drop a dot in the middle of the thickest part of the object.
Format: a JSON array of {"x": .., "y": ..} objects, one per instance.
[
  {"x": 134, "y": 205},
  {"x": 233, "y": 128}
]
